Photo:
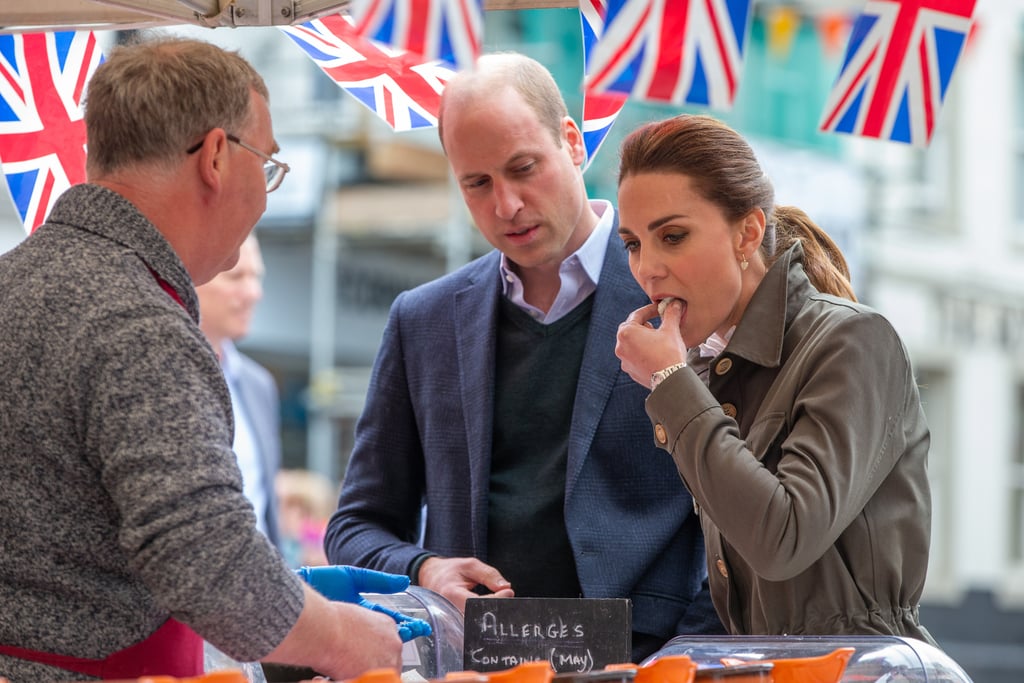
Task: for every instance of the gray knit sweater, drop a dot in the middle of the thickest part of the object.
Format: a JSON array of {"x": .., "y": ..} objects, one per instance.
[{"x": 121, "y": 501}]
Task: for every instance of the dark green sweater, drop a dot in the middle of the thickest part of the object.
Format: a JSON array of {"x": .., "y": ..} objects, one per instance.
[{"x": 537, "y": 369}]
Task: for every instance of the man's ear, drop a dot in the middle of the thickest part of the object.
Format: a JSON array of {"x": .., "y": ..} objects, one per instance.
[
  {"x": 573, "y": 139},
  {"x": 212, "y": 158}
]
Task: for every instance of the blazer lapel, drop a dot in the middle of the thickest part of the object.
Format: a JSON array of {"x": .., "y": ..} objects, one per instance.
[
  {"x": 617, "y": 295},
  {"x": 476, "y": 311}
]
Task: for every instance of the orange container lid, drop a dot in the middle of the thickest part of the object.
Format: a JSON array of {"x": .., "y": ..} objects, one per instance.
[
  {"x": 377, "y": 676},
  {"x": 668, "y": 669},
  {"x": 527, "y": 672},
  {"x": 826, "y": 668},
  {"x": 823, "y": 669},
  {"x": 745, "y": 672},
  {"x": 223, "y": 676}
]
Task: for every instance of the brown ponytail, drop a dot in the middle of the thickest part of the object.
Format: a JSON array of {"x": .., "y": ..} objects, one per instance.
[{"x": 824, "y": 263}]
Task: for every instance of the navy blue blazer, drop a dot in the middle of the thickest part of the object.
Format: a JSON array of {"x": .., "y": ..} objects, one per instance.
[{"x": 425, "y": 434}]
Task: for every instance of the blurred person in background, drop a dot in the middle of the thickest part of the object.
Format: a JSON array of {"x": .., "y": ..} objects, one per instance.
[
  {"x": 791, "y": 411},
  {"x": 226, "y": 306},
  {"x": 128, "y": 538},
  {"x": 306, "y": 500},
  {"x": 497, "y": 401}
]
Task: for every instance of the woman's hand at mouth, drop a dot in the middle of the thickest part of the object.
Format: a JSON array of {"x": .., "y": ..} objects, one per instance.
[{"x": 645, "y": 349}]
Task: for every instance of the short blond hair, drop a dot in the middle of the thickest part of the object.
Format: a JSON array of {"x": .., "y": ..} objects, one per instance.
[{"x": 530, "y": 79}]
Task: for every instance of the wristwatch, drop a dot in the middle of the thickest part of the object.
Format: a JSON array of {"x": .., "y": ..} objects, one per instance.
[{"x": 660, "y": 375}]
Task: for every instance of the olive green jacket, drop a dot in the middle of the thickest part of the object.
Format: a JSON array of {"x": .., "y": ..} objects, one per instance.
[{"x": 807, "y": 460}]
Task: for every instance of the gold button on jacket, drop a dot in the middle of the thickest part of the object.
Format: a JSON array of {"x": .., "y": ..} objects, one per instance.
[
  {"x": 722, "y": 569},
  {"x": 660, "y": 434}
]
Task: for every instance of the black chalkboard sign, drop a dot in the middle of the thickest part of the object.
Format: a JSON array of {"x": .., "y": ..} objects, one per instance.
[{"x": 574, "y": 635}]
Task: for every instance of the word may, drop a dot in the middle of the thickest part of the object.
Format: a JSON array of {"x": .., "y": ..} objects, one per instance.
[
  {"x": 490, "y": 626},
  {"x": 581, "y": 662}
]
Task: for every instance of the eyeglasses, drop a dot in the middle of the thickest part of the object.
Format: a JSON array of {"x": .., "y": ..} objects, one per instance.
[{"x": 273, "y": 170}]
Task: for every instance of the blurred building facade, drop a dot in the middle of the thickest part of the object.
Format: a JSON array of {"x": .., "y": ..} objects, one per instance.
[
  {"x": 940, "y": 249},
  {"x": 935, "y": 238}
]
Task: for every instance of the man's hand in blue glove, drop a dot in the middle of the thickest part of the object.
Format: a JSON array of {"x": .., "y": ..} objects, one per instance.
[{"x": 346, "y": 584}]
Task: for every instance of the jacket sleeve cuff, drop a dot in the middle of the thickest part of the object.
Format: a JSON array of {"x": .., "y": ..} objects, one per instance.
[{"x": 414, "y": 567}]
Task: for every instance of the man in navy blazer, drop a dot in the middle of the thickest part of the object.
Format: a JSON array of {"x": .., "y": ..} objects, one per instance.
[{"x": 502, "y": 451}]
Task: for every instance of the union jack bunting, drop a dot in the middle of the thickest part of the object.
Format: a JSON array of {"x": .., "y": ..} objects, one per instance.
[
  {"x": 399, "y": 87},
  {"x": 897, "y": 68},
  {"x": 42, "y": 134},
  {"x": 677, "y": 51},
  {"x": 449, "y": 30},
  {"x": 599, "y": 110}
]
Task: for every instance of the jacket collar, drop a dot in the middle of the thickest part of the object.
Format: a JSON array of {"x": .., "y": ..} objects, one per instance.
[
  {"x": 105, "y": 213},
  {"x": 777, "y": 300}
]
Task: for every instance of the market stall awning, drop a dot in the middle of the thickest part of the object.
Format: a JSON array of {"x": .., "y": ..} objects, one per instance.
[{"x": 42, "y": 15}]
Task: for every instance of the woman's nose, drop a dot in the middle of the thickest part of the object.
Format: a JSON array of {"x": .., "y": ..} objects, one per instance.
[{"x": 646, "y": 267}]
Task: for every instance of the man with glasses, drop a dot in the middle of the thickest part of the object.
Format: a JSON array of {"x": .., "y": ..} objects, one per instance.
[{"x": 128, "y": 538}]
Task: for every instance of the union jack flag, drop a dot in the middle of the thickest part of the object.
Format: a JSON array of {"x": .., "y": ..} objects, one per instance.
[
  {"x": 599, "y": 110},
  {"x": 449, "y": 30},
  {"x": 677, "y": 51},
  {"x": 399, "y": 87},
  {"x": 897, "y": 69},
  {"x": 42, "y": 134}
]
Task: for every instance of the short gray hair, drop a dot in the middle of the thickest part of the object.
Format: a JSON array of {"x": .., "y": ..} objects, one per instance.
[{"x": 153, "y": 98}]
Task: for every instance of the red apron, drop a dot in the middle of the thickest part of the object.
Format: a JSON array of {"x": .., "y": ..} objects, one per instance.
[{"x": 172, "y": 650}]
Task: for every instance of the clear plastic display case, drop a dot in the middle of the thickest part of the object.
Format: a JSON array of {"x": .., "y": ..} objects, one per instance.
[
  {"x": 440, "y": 653},
  {"x": 875, "y": 659},
  {"x": 714, "y": 659}
]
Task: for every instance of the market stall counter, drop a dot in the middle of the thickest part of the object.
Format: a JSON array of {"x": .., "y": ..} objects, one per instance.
[
  {"x": 685, "y": 659},
  {"x": 438, "y": 658}
]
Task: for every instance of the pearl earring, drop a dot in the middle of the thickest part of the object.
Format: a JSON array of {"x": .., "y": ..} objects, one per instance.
[{"x": 744, "y": 263}]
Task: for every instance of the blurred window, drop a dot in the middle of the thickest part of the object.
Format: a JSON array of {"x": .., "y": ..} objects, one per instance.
[
  {"x": 936, "y": 399},
  {"x": 1018, "y": 145},
  {"x": 1016, "y": 485}
]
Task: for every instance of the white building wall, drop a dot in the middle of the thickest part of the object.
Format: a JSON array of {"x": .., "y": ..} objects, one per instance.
[{"x": 945, "y": 267}]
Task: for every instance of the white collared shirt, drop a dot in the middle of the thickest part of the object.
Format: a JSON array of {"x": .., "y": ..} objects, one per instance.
[
  {"x": 579, "y": 272},
  {"x": 716, "y": 343}
]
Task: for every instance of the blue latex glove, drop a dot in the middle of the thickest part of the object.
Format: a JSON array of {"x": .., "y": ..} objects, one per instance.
[{"x": 345, "y": 584}]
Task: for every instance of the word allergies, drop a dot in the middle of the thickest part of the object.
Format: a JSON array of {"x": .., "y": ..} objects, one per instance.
[{"x": 492, "y": 627}]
